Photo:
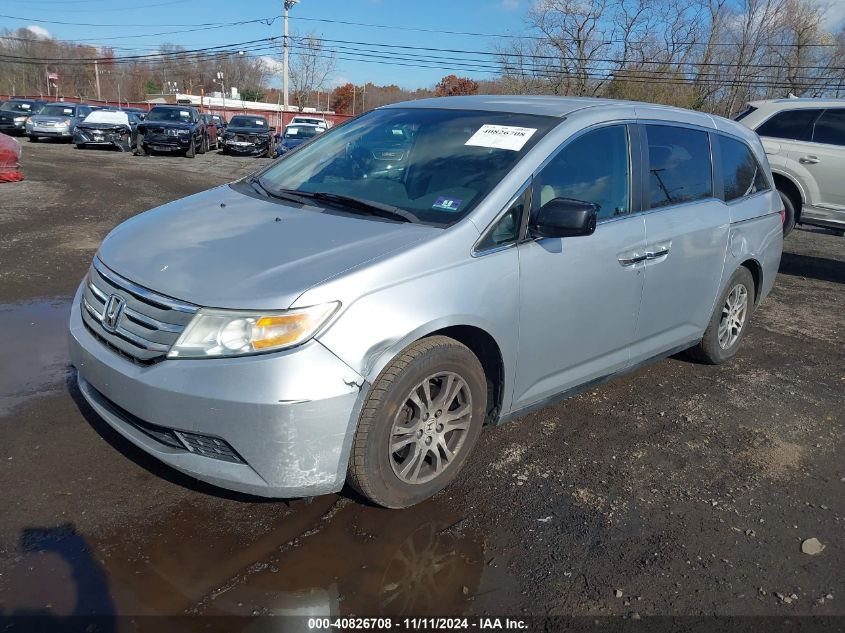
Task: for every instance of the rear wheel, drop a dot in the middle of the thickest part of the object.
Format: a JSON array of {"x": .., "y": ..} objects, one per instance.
[
  {"x": 789, "y": 213},
  {"x": 729, "y": 321},
  {"x": 422, "y": 418}
]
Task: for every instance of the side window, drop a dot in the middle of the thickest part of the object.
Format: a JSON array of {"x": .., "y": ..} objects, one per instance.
[
  {"x": 679, "y": 165},
  {"x": 592, "y": 168},
  {"x": 741, "y": 173},
  {"x": 789, "y": 124},
  {"x": 830, "y": 128},
  {"x": 506, "y": 230}
]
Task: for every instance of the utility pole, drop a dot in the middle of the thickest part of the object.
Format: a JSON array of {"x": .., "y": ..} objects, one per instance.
[
  {"x": 285, "y": 66},
  {"x": 97, "y": 75}
]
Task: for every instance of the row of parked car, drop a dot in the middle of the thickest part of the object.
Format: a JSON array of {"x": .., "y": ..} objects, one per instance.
[{"x": 164, "y": 128}]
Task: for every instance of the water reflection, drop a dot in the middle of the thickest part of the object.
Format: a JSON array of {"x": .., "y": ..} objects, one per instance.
[
  {"x": 33, "y": 337},
  {"x": 326, "y": 558}
]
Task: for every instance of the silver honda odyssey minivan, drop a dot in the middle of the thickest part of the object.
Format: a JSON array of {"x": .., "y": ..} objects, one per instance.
[{"x": 357, "y": 311}]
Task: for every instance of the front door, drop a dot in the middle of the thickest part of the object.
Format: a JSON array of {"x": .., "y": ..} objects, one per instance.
[{"x": 579, "y": 296}]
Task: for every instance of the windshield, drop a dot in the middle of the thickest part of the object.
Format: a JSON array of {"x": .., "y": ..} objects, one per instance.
[
  {"x": 169, "y": 114},
  {"x": 16, "y": 106},
  {"x": 436, "y": 164},
  {"x": 56, "y": 110},
  {"x": 297, "y": 131},
  {"x": 248, "y": 121}
]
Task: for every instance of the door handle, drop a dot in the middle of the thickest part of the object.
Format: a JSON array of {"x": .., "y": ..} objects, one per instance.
[
  {"x": 809, "y": 160},
  {"x": 663, "y": 252},
  {"x": 633, "y": 259}
]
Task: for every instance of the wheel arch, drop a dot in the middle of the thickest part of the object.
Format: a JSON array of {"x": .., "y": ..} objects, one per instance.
[
  {"x": 756, "y": 270},
  {"x": 792, "y": 189},
  {"x": 487, "y": 350}
]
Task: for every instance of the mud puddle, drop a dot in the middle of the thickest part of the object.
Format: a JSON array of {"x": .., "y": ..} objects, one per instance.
[
  {"x": 33, "y": 337},
  {"x": 330, "y": 557}
]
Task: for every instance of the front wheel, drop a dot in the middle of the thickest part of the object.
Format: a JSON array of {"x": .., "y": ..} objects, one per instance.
[
  {"x": 192, "y": 149},
  {"x": 203, "y": 145},
  {"x": 33, "y": 139},
  {"x": 421, "y": 420},
  {"x": 729, "y": 321}
]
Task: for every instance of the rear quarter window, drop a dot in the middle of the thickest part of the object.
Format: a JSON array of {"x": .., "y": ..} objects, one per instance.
[{"x": 741, "y": 174}]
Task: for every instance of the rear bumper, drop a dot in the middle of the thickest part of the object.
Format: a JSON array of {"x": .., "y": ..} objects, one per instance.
[{"x": 288, "y": 417}]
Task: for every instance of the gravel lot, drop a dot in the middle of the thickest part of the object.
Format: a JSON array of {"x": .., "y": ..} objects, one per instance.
[{"x": 680, "y": 489}]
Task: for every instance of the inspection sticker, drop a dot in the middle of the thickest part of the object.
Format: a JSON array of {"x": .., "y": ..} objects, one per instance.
[
  {"x": 501, "y": 137},
  {"x": 446, "y": 204}
]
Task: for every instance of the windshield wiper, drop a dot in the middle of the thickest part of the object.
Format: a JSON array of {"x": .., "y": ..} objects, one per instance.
[
  {"x": 366, "y": 206},
  {"x": 350, "y": 203}
]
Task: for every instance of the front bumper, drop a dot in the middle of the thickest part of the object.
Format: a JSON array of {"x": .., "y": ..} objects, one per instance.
[
  {"x": 12, "y": 128},
  {"x": 289, "y": 417},
  {"x": 166, "y": 143},
  {"x": 244, "y": 147},
  {"x": 57, "y": 131}
]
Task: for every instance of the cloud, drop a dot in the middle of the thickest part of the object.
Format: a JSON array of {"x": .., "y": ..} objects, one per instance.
[
  {"x": 272, "y": 64},
  {"x": 509, "y": 5},
  {"x": 39, "y": 32}
]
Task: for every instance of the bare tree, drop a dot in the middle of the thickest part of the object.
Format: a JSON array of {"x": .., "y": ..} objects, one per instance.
[{"x": 311, "y": 65}]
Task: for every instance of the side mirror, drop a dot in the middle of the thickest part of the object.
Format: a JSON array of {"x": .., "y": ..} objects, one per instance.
[{"x": 564, "y": 217}]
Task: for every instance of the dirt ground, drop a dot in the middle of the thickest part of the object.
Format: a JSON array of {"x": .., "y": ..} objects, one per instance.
[{"x": 680, "y": 489}]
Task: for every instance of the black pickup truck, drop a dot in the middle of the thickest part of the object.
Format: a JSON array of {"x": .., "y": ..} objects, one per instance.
[{"x": 168, "y": 128}]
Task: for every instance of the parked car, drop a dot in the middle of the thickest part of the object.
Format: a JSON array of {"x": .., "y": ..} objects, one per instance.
[
  {"x": 56, "y": 120},
  {"x": 169, "y": 128},
  {"x": 249, "y": 134},
  {"x": 322, "y": 319},
  {"x": 220, "y": 121},
  {"x": 295, "y": 135},
  {"x": 212, "y": 132},
  {"x": 106, "y": 127},
  {"x": 805, "y": 143},
  {"x": 311, "y": 120},
  {"x": 141, "y": 113},
  {"x": 15, "y": 112}
]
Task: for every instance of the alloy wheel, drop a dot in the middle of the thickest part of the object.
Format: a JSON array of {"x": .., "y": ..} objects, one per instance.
[
  {"x": 430, "y": 428},
  {"x": 734, "y": 313}
]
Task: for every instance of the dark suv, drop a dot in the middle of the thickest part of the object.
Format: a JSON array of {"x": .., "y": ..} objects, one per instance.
[{"x": 172, "y": 129}]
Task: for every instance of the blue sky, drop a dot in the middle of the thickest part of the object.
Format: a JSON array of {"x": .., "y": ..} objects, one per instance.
[{"x": 147, "y": 17}]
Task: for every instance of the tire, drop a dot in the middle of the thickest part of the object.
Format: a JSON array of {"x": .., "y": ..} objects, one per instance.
[
  {"x": 377, "y": 472},
  {"x": 139, "y": 146},
  {"x": 271, "y": 149},
  {"x": 789, "y": 209},
  {"x": 33, "y": 139},
  {"x": 192, "y": 149},
  {"x": 203, "y": 145},
  {"x": 80, "y": 146},
  {"x": 710, "y": 350}
]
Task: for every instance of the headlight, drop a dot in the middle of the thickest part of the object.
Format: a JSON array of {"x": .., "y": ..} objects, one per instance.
[
  {"x": 28, "y": 122},
  {"x": 219, "y": 333},
  {"x": 66, "y": 122},
  {"x": 20, "y": 119}
]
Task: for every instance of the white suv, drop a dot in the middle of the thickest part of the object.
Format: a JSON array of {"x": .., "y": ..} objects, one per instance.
[{"x": 804, "y": 140}]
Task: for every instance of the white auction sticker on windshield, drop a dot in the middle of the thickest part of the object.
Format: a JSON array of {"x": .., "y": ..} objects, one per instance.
[{"x": 501, "y": 137}]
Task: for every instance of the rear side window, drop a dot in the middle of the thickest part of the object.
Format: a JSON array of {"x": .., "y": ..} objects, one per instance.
[
  {"x": 679, "y": 165},
  {"x": 592, "y": 168},
  {"x": 741, "y": 173},
  {"x": 830, "y": 128},
  {"x": 789, "y": 124}
]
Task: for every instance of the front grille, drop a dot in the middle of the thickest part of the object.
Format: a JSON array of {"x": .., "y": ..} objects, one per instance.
[
  {"x": 134, "y": 322},
  {"x": 205, "y": 445}
]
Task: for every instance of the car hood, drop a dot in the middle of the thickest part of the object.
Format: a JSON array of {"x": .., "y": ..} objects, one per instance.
[
  {"x": 222, "y": 248},
  {"x": 292, "y": 142},
  {"x": 44, "y": 118},
  {"x": 247, "y": 130}
]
